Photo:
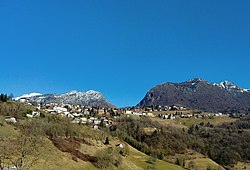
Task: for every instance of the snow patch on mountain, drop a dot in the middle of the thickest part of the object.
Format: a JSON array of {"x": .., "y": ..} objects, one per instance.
[
  {"x": 28, "y": 95},
  {"x": 231, "y": 87},
  {"x": 89, "y": 98}
]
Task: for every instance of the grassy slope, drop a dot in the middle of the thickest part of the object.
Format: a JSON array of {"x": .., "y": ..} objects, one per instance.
[
  {"x": 11, "y": 106},
  {"x": 242, "y": 165},
  {"x": 168, "y": 122},
  {"x": 135, "y": 160},
  {"x": 59, "y": 160},
  {"x": 185, "y": 122},
  {"x": 201, "y": 162},
  {"x": 204, "y": 163},
  {"x": 215, "y": 120},
  {"x": 52, "y": 158},
  {"x": 140, "y": 160},
  {"x": 6, "y": 129}
]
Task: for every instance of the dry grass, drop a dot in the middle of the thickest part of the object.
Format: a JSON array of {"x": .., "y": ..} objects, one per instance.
[
  {"x": 187, "y": 122},
  {"x": 168, "y": 122},
  {"x": 218, "y": 120},
  {"x": 242, "y": 165},
  {"x": 201, "y": 162},
  {"x": 140, "y": 160}
]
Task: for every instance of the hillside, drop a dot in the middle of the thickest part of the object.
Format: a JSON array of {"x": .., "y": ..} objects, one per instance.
[
  {"x": 52, "y": 141},
  {"x": 199, "y": 94},
  {"x": 50, "y": 157}
]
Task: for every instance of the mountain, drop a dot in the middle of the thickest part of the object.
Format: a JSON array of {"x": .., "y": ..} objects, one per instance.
[
  {"x": 231, "y": 87},
  {"x": 89, "y": 98},
  {"x": 28, "y": 95},
  {"x": 200, "y": 94}
]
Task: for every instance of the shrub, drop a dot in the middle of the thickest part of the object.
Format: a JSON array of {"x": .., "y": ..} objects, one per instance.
[
  {"x": 191, "y": 165},
  {"x": 106, "y": 158}
]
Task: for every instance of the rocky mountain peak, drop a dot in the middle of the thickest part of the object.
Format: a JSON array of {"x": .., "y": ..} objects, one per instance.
[
  {"x": 231, "y": 87},
  {"x": 71, "y": 92},
  {"x": 199, "y": 94},
  {"x": 89, "y": 98},
  {"x": 195, "y": 80}
]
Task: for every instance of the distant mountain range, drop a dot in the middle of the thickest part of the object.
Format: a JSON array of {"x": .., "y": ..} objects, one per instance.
[
  {"x": 195, "y": 93},
  {"x": 89, "y": 98},
  {"x": 200, "y": 94}
]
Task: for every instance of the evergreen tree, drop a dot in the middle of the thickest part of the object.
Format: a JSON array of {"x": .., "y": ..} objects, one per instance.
[{"x": 4, "y": 98}]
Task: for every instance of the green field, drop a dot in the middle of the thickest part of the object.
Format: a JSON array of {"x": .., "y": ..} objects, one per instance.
[
  {"x": 218, "y": 120},
  {"x": 204, "y": 164},
  {"x": 200, "y": 161},
  {"x": 140, "y": 160},
  {"x": 187, "y": 122}
]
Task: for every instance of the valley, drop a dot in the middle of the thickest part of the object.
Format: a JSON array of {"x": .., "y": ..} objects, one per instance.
[{"x": 82, "y": 130}]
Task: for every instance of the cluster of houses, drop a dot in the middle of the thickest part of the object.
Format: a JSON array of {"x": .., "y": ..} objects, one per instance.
[
  {"x": 188, "y": 115},
  {"x": 160, "y": 112},
  {"x": 84, "y": 114},
  {"x": 163, "y": 108},
  {"x": 148, "y": 111},
  {"x": 105, "y": 117},
  {"x": 138, "y": 113}
]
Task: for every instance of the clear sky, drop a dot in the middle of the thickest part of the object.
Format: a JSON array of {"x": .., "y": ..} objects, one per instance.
[{"x": 121, "y": 48}]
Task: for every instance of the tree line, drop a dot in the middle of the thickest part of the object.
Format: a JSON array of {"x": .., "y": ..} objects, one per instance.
[
  {"x": 226, "y": 144},
  {"x": 5, "y": 97}
]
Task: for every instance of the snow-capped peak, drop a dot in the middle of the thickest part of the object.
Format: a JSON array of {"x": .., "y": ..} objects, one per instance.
[
  {"x": 195, "y": 80},
  {"x": 89, "y": 98},
  {"x": 71, "y": 92},
  {"x": 231, "y": 87},
  {"x": 28, "y": 95},
  {"x": 88, "y": 93},
  {"x": 92, "y": 92}
]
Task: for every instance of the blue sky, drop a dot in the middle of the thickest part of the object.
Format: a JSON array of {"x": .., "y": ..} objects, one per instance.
[{"x": 121, "y": 48}]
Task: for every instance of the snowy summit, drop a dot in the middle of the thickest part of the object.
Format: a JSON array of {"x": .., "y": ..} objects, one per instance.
[{"x": 28, "y": 95}]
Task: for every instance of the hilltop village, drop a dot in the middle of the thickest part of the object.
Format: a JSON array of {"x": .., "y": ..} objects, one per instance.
[{"x": 105, "y": 117}]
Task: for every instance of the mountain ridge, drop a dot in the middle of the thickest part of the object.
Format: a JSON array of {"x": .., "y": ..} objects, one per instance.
[
  {"x": 88, "y": 98},
  {"x": 199, "y": 94}
]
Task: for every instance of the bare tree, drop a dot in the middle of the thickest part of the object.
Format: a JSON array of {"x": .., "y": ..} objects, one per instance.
[
  {"x": 26, "y": 151},
  {"x": 23, "y": 148},
  {"x": 5, "y": 152}
]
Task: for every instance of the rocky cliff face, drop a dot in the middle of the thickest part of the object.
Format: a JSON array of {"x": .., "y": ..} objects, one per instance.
[{"x": 200, "y": 94}]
